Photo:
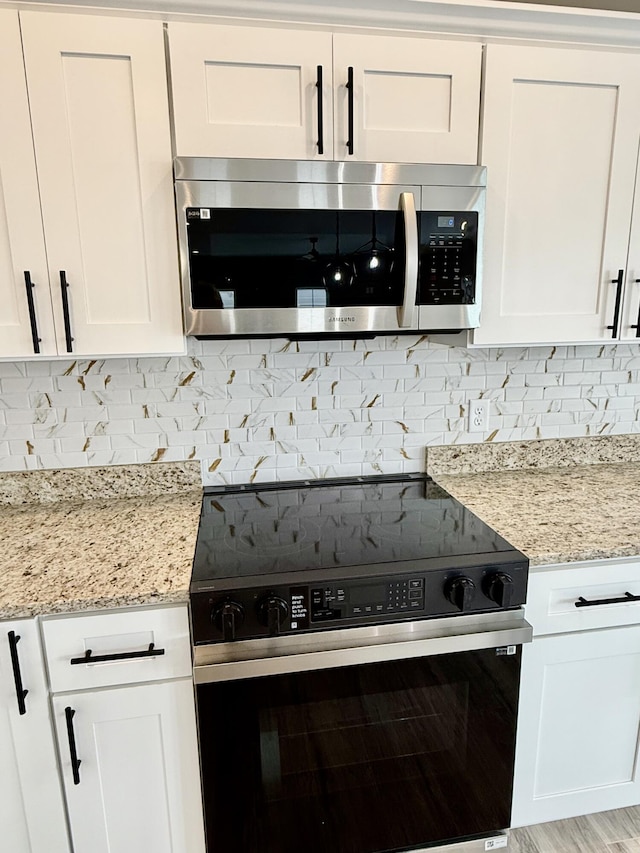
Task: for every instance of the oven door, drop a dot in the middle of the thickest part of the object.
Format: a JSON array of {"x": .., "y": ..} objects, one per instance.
[
  {"x": 262, "y": 258},
  {"x": 408, "y": 743}
]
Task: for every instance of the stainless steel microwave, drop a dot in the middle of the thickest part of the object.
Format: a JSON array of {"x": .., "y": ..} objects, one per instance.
[{"x": 302, "y": 248}]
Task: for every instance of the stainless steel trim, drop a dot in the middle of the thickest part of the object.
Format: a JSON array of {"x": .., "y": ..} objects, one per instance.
[
  {"x": 472, "y": 846},
  {"x": 299, "y": 196},
  {"x": 351, "y": 646},
  {"x": 327, "y": 172},
  {"x": 407, "y": 311}
]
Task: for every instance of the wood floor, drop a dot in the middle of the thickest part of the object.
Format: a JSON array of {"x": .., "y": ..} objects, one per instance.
[{"x": 606, "y": 832}]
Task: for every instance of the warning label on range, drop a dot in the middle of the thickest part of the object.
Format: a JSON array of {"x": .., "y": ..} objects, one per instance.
[{"x": 299, "y": 607}]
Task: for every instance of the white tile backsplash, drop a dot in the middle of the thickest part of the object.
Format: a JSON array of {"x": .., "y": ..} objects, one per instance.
[{"x": 260, "y": 410}]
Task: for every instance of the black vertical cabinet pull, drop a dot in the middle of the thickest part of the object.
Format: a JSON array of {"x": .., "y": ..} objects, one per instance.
[
  {"x": 75, "y": 761},
  {"x": 32, "y": 311},
  {"x": 320, "y": 142},
  {"x": 637, "y": 323},
  {"x": 350, "y": 109},
  {"x": 616, "y": 311},
  {"x": 21, "y": 693},
  {"x": 64, "y": 286}
]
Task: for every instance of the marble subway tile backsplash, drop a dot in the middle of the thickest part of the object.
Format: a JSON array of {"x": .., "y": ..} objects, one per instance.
[{"x": 255, "y": 411}]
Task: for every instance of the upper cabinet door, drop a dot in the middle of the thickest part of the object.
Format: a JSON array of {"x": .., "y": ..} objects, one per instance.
[
  {"x": 630, "y": 315},
  {"x": 560, "y": 142},
  {"x": 412, "y": 100},
  {"x": 99, "y": 107},
  {"x": 251, "y": 92},
  {"x": 23, "y": 263}
]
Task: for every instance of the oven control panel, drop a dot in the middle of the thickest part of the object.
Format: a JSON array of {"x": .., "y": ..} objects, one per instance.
[
  {"x": 338, "y": 601},
  {"x": 220, "y": 615}
]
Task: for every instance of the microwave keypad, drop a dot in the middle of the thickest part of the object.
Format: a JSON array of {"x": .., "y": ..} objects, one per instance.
[{"x": 447, "y": 258}]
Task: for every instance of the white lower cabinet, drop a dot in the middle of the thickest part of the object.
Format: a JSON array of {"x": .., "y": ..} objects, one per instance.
[
  {"x": 32, "y": 815},
  {"x": 136, "y": 784},
  {"x": 579, "y": 717},
  {"x": 124, "y": 714}
]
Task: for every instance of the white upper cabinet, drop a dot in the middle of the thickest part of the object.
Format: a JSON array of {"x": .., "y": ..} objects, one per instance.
[
  {"x": 560, "y": 142},
  {"x": 291, "y": 94},
  {"x": 245, "y": 92},
  {"x": 23, "y": 262},
  {"x": 414, "y": 100},
  {"x": 98, "y": 98}
]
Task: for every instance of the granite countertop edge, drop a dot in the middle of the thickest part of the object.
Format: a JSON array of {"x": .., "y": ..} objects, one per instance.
[
  {"x": 97, "y": 539},
  {"x": 558, "y": 501}
]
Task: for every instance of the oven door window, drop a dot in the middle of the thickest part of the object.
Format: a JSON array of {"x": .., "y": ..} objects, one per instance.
[
  {"x": 362, "y": 759},
  {"x": 245, "y": 258}
]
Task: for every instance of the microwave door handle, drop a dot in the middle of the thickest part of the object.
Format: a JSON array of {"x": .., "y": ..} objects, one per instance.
[{"x": 407, "y": 309}]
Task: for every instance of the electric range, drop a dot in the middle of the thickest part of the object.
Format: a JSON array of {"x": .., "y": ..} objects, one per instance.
[{"x": 308, "y": 556}]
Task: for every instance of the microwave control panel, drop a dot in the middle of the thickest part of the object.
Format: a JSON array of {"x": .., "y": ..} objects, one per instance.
[{"x": 448, "y": 252}]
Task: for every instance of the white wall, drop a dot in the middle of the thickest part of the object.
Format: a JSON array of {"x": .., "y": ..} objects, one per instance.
[{"x": 267, "y": 410}]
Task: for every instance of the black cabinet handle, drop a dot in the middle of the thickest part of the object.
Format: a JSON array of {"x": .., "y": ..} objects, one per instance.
[
  {"x": 637, "y": 323},
  {"x": 14, "y": 639},
  {"x": 32, "y": 311},
  {"x": 64, "y": 285},
  {"x": 626, "y": 598},
  {"x": 73, "y": 752},
  {"x": 320, "y": 142},
  {"x": 350, "y": 109},
  {"x": 616, "y": 310},
  {"x": 88, "y": 657}
]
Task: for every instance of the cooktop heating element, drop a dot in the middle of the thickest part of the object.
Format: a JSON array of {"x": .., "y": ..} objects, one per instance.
[{"x": 312, "y": 555}]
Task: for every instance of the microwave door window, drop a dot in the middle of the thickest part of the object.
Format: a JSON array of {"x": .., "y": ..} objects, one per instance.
[{"x": 245, "y": 258}]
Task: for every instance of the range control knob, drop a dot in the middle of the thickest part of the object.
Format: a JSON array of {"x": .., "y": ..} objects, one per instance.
[
  {"x": 272, "y": 612},
  {"x": 500, "y": 588},
  {"x": 460, "y": 591},
  {"x": 228, "y": 616}
]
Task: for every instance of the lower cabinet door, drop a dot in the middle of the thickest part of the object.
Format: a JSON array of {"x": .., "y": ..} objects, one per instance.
[
  {"x": 578, "y": 725},
  {"x": 32, "y": 817},
  {"x": 130, "y": 766}
]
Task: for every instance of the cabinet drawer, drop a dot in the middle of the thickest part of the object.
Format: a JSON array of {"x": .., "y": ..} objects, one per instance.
[
  {"x": 604, "y": 587},
  {"x": 121, "y": 647}
]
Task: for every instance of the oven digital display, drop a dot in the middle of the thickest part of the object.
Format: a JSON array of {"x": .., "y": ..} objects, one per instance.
[{"x": 368, "y": 594}]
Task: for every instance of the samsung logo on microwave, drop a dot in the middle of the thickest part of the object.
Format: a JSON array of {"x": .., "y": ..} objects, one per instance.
[{"x": 341, "y": 320}]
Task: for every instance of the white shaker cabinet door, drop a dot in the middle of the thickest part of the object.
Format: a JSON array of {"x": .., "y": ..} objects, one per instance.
[
  {"x": 99, "y": 108},
  {"x": 136, "y": 784},
  {"x": 560, "y": 142},
  {"x": 578, "y": 725},
  {"x": 415, "y": 100},
  {"x": 32, "y": 815},
  {"x": 251, "y": 92},
  {"x": 23, "y": 262}
]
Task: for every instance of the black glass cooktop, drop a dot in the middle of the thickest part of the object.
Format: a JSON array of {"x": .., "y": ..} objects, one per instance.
[{"x": 251, "y": 533}]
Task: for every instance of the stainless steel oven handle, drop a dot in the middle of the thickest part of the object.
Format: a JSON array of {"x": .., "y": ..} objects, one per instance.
[
  {"x": 352, "y": 646},
  {"x": 407, "y": 309}
]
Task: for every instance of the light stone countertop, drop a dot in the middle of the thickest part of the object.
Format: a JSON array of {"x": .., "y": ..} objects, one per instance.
[
  {"x": 584, "y": 506},
  {"x": 119, "y": 537},
  {"x": 110, "y": 550}
]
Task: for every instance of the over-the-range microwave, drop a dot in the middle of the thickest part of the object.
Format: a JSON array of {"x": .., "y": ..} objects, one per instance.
[{"x": 302, "y": 248}]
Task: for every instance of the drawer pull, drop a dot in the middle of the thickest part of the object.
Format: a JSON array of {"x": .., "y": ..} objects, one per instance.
[
  {"x": 88, "y": 657},
  {"x": 69, "y": 714},
  {"x": 623, "y": 599},
  {"x": 21, "y": 693}
]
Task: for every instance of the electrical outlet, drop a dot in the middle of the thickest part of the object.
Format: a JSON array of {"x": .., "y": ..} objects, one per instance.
[{"x": 478, "y": 415}]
